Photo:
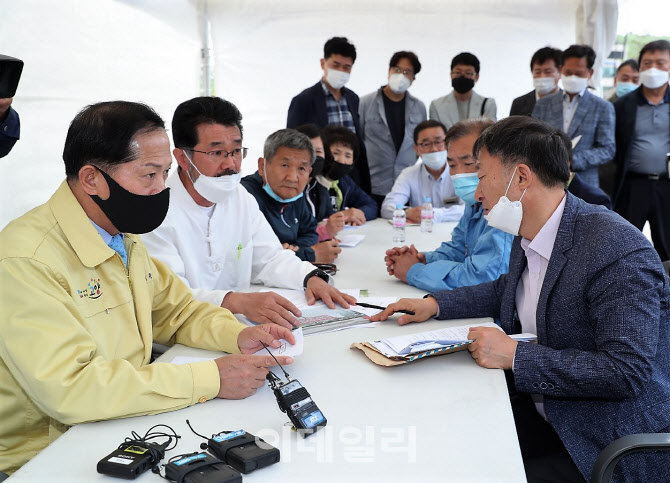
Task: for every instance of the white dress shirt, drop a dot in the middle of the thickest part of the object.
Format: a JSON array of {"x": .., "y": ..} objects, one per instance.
[
  {"x": 538, "y": 252},
  {"x": 570, "y": 107},
  {"x": 222, "y": 248},
  {"x": 414, "y": 184}
]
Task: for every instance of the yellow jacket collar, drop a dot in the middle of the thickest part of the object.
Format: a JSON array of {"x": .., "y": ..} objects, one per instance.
[{"x": 78, "y": 229}]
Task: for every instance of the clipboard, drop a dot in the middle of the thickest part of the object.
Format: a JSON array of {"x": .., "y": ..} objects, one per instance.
[{"x": 380, "y": 359}]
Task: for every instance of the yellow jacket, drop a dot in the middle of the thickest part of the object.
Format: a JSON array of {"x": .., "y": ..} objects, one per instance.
[{"x": 76, "y": 330}]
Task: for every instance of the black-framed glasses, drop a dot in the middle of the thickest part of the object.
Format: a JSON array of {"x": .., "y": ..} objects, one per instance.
[
  {"x": 439, "y": 144},
  {"x": 405, "y": 72},
  {"x": 221, "y": 154}
]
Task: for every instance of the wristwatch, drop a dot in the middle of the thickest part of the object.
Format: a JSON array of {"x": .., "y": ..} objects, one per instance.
[{"x": 316, "y": 273}]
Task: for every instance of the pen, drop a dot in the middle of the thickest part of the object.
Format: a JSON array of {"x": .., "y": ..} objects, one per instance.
[{"x": 370, "y": 306}]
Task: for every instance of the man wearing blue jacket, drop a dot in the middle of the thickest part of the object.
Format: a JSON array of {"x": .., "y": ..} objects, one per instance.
[
  {"x": 278, "y": 187},
  {"x": 477, "y": 252},
  {"x": 593, "y": 290}
]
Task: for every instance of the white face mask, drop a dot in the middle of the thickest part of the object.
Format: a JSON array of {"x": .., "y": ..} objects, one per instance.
[
  {"x": 544, "y": 85},
  {"x": 574, "y": 84},
  {"x": 214, "y": 189},
  {"x": 398, "y": 83},
  {"x": 653, "y": 78},
  {"x": 336, "y": 78},
  {"x": 434, "y": 160},
  {"x": 506, "y": 215}
]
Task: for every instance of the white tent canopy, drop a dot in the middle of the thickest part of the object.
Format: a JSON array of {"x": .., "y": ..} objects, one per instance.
[{"x": 79, "y": 52}]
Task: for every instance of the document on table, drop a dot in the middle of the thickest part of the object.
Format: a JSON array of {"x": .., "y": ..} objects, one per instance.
[
  {"x": 285, "y": 349},
  {"x": 380, "y": 301},
  {"x": 409, "y": 344},
  {"x": 319, "y": 318},
  {"x": 350, "y": 240}
]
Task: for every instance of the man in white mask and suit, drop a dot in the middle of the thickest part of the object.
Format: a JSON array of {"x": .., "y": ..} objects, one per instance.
[
  {"x": 214, "y": 235},
  {"x": 593, "y": 290}
]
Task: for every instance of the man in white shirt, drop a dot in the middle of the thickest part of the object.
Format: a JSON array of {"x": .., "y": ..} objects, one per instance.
[
  {"x": 429, "y": 178},
  {"x": 214, "y": 236}
]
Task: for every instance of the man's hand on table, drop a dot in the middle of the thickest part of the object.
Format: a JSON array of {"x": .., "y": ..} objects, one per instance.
[
  {"x": 263, "y": 308},
  {"x": 423, "y": 309},
  {"x": 491, "y": 347},
  {"x": 242, "y": 374},
  {"x": 400, "y": 260},
  {"x": 319, "y": 289}
]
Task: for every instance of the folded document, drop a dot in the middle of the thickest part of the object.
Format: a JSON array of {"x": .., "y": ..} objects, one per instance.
[{"x": 409, "y": 347}]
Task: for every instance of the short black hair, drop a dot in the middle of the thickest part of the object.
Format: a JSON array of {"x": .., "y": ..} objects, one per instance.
[
  {"x": 579, "y": 52},
  {"x": 523, "y": 139},
  {"x": 404, "y": 54},
  {"x": 465, "y": 58},
  {"x": 335, "y": 134},
  {"x": 427, "y": 125},
  {"x": 568, "y": 144},
  {"x": 653, "y": 46},
  {"x": 310, "y": 130},
  {"x": 545, "y": 54},
  {"x": 632, "y": 63},
  {"x": 466, "y": 128},
  {"x": 202, "y": 110},
  {"x": 339, "y": 46},
  {"x": 102, "y": 135}
]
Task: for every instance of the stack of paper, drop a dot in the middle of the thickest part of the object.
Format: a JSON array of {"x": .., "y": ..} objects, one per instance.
[{"x": 405, "y": 345}]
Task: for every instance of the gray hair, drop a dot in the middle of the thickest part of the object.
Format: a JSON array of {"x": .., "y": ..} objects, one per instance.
[{"x": 287, "y": 138}]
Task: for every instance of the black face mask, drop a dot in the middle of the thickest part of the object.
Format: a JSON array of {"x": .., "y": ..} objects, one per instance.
[
  {"x": 131, "y": 213},
  {"x": 462, "y": 84},
  {"x": 338, "y": 170},
  {"x": 317, "y": 167}
]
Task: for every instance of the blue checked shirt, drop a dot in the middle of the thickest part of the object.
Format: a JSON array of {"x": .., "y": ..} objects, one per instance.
[{"x": 338, "y": 111}]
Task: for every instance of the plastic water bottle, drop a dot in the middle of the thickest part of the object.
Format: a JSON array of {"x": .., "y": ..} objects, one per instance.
[
  {"x": 427, "y": 216},
  {"x": 399, "y": 224}
]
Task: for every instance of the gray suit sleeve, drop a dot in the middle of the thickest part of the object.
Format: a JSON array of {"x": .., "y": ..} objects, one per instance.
[{"x": 604, "y": 147}]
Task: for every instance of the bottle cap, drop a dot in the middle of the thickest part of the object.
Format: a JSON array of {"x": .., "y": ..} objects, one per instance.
[
  {"x": 399, "y": 206},
  {"x": 427, "y": 199}
]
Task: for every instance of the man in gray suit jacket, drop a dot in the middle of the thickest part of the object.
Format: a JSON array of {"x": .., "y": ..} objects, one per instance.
[
  {"x": 592, "y": 289},
  {"x": 388, "y": 117},
  {"x": 463, "y": 102},
  {"x": 579, "y": 113}
]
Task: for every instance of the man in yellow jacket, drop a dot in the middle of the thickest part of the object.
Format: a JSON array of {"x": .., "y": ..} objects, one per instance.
[{"x": 81, "y": 301}]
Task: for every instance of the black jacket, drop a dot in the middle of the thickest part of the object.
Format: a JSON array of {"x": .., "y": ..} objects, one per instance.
[
  {"x": 589, "y": 193},
  {"x": 309, "y": 107},
  {"x": 293, "y": 222},
  {"x": 523, "y": 105}
]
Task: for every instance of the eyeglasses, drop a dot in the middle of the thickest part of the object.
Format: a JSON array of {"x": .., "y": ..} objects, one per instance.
[
  {"x": 405, "y": 72},
  {"x": 458, "y": 73},
  {"x": 428, "y": 144},
  {"x": 219, "y": 155}
]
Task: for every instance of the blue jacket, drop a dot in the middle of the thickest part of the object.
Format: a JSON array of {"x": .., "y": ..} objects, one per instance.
[
  {"x": 293, "y": 222},
  {"x": 593, "y": 121},
  {"x": 602, "y": 360},
  {"x": 309, "y": 107},
  {"x": 476, "y": 253},
  {"x": 9, "y": 132},
  {"x": 588, "y": 192}
]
